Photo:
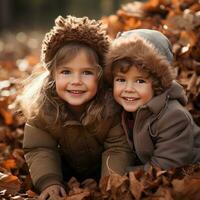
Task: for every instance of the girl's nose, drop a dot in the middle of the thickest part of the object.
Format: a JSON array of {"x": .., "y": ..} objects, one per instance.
[{"x": 76, "y": 79}]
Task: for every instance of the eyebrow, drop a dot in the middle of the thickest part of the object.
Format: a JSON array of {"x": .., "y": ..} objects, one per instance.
[
  {"x": 119, "y": 74},
  {"x": 69, "y": 68}
]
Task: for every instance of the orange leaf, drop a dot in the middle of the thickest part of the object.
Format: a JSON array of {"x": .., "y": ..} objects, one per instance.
[
  {"x": 8, "y": 117},
  {"x": 188, "y": 37},
  {"x": 9, "y": 164}
]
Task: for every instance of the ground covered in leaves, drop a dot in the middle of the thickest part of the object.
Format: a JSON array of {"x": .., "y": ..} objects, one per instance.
[{"x": 19, "y": 55}]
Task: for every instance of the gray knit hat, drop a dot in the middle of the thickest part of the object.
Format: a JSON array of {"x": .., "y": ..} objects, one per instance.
[
  {"x": 156, "y": 38},
  {"x": 84, "y": 30},
  {"x": 149, "y": 47}
]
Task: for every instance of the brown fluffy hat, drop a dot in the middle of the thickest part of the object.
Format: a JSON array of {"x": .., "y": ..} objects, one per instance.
[
  {"x": 149, "y": 47},
  {"x": 84, "y": 30}
]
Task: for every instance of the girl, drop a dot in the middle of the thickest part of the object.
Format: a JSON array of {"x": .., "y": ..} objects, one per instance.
[
  {"x": 159, "y": 129},
  {"x": 72, "y": 128}
]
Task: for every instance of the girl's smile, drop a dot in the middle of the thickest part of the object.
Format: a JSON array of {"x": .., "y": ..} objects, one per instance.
[{"x": 76, "y": 92}]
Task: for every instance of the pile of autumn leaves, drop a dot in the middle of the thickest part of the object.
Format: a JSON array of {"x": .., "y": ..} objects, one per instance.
[
  {"x": 180, "y": 21},
  {"x": 154, "y": 184}
]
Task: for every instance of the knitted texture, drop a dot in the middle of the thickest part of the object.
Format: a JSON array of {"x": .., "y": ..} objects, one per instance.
[{"x": 84, "y": 30}]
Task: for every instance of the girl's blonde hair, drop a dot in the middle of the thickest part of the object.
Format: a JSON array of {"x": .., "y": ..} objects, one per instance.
[{"x": 40, "y": 100}]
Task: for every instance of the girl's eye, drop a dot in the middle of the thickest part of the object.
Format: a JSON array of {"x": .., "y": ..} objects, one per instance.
[
  {"x": 88, "y": 73},
  {"x": 65, "y": 72},
  {"x": 140, "y": 81}
]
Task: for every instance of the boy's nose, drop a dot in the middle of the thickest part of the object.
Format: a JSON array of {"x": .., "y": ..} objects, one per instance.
[{"x": 129, "y": 87}]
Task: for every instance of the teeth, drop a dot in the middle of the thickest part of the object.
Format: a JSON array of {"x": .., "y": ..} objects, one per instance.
[
  {"x": 76, "y": 91},
  {"x": 129, "y": 98}
]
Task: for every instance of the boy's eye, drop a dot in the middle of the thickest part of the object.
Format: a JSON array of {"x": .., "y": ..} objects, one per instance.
[
  {"x": 140, "y": 81},
  {"x": 119, "y": 79},
  {"x": 88, "y": 73}
]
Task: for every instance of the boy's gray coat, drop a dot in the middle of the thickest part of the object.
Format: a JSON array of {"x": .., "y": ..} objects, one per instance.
[{"x": 164, "y": 132}]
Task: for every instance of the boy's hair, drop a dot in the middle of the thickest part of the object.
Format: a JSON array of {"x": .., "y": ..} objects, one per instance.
[
  {"x": 148, "y": 50},
  {"x": 39, "y": 98}
]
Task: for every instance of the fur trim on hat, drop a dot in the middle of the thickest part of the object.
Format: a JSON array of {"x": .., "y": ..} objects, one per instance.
[
  {"x": 89, "y": 32},
  {"x": 140, "y": 50}
]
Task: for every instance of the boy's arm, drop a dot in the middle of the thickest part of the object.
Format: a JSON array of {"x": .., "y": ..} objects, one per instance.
[
  {"x": 42, "y": 157},
  {"x": 174, "y": 141},
  {"x": 117, "y": 155}
]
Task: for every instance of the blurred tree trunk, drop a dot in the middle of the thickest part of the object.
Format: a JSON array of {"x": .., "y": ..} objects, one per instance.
[
  {"x": 109, "y": 7},
  {"x": 80, "y": 8},
  {"x": 5, "y": 13}
]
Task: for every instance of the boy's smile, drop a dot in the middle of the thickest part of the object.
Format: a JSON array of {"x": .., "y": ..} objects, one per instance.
[{"x": 132, "y": 89}]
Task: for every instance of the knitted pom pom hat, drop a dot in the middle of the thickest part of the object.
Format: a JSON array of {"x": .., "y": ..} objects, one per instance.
[
  {"x": 149, "y": 47},
  {"x": 84, "y": 30}
]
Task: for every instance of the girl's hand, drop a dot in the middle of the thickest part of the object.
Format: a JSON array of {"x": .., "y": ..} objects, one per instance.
[{"x": 52, "y": 192}]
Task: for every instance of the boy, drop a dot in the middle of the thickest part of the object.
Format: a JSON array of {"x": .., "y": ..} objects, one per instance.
[{"x": 159, "y": 129}]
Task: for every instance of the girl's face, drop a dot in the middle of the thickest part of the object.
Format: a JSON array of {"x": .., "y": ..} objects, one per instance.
[
  {"x": 77, "y": 81},
  {"x": 132, "y": 89}
]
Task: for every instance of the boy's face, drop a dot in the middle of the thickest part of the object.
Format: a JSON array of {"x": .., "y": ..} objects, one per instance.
[{"x": 132, "y": 89}]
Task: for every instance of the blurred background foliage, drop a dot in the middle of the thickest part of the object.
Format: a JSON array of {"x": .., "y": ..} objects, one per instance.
[{"x": 23, "y": 15}]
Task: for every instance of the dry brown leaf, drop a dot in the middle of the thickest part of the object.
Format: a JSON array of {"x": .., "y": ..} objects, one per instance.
[
  {"x": 74, "y": 186},
  {"x": 161, "y": 194},
  {"x": 115, "y": 181},
  {"x": 136, "y": 187},
  {"x": 187, "y": 188},
  {"x": 9, "y": 183},
  {"x": 187, "y": 38},
  {"x": 80, "y": 196}
]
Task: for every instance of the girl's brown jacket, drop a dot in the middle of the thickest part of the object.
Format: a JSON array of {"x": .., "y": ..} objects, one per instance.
[{"x": 83, "y": 149}]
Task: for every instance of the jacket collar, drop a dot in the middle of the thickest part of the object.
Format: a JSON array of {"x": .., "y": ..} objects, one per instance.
[{"x": 174, "y": 92}]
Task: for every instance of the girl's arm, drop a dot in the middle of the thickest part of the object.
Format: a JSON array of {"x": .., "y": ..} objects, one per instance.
[{"x": 42, "y": 157}]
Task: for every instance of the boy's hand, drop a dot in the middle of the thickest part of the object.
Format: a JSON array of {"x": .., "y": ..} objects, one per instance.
[{"x": 52, "y": 192}]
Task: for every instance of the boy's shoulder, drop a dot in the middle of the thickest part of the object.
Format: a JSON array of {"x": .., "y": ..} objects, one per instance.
[
  {"x": 175, "y": 108},
  {"x": 174, "y": 113}
]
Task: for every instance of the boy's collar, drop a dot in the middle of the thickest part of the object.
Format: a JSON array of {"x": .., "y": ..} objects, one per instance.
[
  {"x": 174, "y": 92},
  {"x": 157, "y": 102}
]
